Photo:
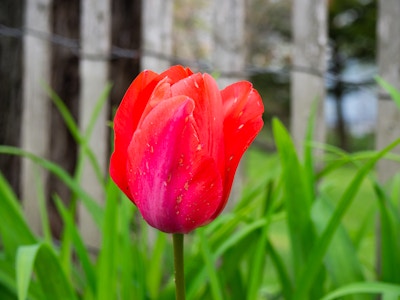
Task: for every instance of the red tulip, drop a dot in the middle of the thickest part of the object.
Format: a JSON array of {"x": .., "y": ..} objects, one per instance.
[{"x": 178, "y": 142}]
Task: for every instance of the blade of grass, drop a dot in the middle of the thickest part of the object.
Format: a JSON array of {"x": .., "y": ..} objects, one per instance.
[
  {"x": 393, "y": 92},
  {"x": 216, "y": 288},
  {"x": 390, "y": 237},
  {"x": 125, "y": 259},
  {"x": 81, "y": 139},
  {"x": 258, "y": 261},
  {"x": 80, "y": 248},
  {"x": 14, "y": 230},
  {"x": 91, "y": 205},
  {"x": 284, "y": 279},
  {"x": 155, "y": 274},
  {"x": 48, "y": 271},
  {"x": 107, "y": 273},
  {"x": 298, "y": 197},
  {"x": 44, "y": 216},
  {"x": 365, "y": 287},
  {"x": 197, "y": 281},
  {"x": 308, "y": 149},
  {"x": 341, "y": 258},
  {"x": 24, "y": 265},
  {"x": 308, "y": 274}
]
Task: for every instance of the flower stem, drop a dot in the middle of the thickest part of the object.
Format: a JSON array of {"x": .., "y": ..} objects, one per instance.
[{"x": 179, "y": 266}]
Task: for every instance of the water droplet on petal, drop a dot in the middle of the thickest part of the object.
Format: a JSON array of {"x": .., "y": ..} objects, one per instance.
[
  {"x": 240, "y": 126},
  {"x": 180, "y": 162}
]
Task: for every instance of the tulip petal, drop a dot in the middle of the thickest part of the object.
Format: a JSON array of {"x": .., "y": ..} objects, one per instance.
[
  {"x": 125, "y": 122},
  {"x": 243, "y": 110},
  {"x": 208, "y": 116},
  {"x": 175, "y": 184},
  {"x": 175, "y": 73}
]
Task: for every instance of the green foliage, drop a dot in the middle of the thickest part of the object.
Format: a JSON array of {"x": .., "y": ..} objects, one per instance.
[
  {"x": 352, "y": 27},
  {"x": 297, "y": 232}
]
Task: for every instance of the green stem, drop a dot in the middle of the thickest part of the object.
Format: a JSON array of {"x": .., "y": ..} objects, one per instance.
[{"x": 179, "y": 267}]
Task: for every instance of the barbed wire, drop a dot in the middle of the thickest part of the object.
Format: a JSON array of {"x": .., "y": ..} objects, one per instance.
[{"x": 201, "y": 64}]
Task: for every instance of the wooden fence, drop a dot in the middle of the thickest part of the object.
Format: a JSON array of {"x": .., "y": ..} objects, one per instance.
[{"x": 95, "y": 53}]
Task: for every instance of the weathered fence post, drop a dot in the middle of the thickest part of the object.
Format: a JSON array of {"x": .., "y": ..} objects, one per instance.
[
  {"x": 95, "y": 42},
  {"x": 35, "y": 129},
  {"x": 157, "y": 20},
  {"x": 309, "y": 30},
  {"x": 228, "y": 57},
  {"x": 388, "y": 128}
]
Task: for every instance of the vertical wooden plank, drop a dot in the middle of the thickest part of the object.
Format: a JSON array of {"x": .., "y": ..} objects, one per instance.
[
  {"x": 157, "y": 19},
  {"x": 95, "y": 41},
  {"x": 388, "y": 127},
  {"x": 36, "y": 105},
  {"x": 11, "y": 14},
  {"x": 65, "y": 82},
  {"x": 228, "y": 57},
  {"x": 309, "y": 30}
]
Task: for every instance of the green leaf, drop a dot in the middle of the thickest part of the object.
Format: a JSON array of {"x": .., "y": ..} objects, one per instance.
[
  {"x": 298, "y": 197},
  {"x": 24, "y": 264},
  {"x": 232, "y": 240},
  {"x": 287, "y": 286},
  {"x": 308, "y": 149},
  {"x": 94, "y": 209},
  {"x": 365, "y": 288},
  {"x": 216, "y": 287},
  {"x": 341, "y": 258},
  {"x": 258, "y": 261},
  {"x": 107, "y": 272},
  {"x": 81, "y": 139},
  {"x": 80, "y": 248},
  {"x": 318, "y": 251},
  {"x": 393, "y": 92},
  {"x": 14, "y": 230},
  {"x": 126, "y": 259},
  {"x": 48, "y": 271},
  {"x": 155, "y": 272},
  {"x": 44, "y": 216},
  {"x": 390, "y": 237}
]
